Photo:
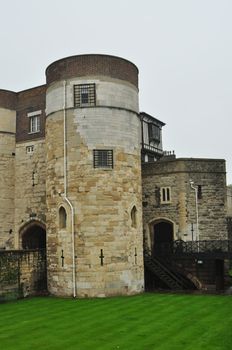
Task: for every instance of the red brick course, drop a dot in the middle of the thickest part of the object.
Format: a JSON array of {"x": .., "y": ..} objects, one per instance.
[
  {"x": 87, "y": 65},
  {"x": 34, "y": 99}
]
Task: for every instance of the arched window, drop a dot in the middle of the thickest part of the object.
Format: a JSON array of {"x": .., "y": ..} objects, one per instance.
[
  {"x": 134, "y": 217},
  {"x": 62, "y": 218}
]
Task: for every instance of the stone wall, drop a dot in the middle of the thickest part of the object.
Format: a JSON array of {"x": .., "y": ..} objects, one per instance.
[
  {"x": 181, "y": 211},
  {"x": 102, "y": 201},
  {"x": 229, "y": 200},
  {"x": 30, "y": 201},
  {"x": 102, "y": 198},
  {"x": 7, "y": 171},
  {"x": 22, "y": 274}
]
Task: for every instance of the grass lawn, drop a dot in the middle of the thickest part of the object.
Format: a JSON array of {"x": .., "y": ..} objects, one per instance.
[{"x": 143, "y": 322}]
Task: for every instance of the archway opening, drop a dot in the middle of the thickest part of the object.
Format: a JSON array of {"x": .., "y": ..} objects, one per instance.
[
  {"x": 163, "y": 236},
  {"x": 34, "y": 237}
]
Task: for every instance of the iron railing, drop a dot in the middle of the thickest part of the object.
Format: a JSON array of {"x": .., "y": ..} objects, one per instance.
[
  {"x": 152, "y": 148},
  {"x": 205, "y": 247}
]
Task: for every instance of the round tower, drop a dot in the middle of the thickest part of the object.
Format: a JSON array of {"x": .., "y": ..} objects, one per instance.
[
  {"x": 8, "y": 101},
  {"x": 93, "y": 185}
]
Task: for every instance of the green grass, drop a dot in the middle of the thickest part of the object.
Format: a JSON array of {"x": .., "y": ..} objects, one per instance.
[{"x": 144, "y": 322}]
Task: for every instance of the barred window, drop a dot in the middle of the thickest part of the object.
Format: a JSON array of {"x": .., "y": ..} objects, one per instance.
[
  {"x": 165, "y": 195},
  {"x": 84, "y": 95},
  {"x": 102, "y": 158}
]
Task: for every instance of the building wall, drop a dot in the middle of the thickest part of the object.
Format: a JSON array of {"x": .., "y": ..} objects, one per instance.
[
  {"x": 102, "y": 198},
  {"x": 7, "y": 159},
  {"x": 30, "y": 175},
  {"x": 29, "y": 101},
  {"x": 7, "y": 166},
  {"x": 229, "y": 201},
  {"x": 86, "y": 65},
  {"x": 30, "y": 189},
  {"x": 181, "y": 211}
]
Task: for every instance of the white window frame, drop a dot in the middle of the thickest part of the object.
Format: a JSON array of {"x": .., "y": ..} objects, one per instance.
[
  {"x": 30, "y": 149},
  {"x": 34, "y": 121},
  {"x": 165, "y": 195}
]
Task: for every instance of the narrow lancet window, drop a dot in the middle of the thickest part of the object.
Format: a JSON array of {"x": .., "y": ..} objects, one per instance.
[
  {"x": 134, "y": 217},
  {"x": 62, "y": 218}
]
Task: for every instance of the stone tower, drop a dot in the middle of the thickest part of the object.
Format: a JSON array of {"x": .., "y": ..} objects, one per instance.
[
  {"x": 8, "y": 101},
  {"x": 93, "y": 184}
]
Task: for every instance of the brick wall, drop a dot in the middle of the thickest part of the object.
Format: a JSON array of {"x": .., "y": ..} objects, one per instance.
[
  {"x": 29, "y": 101},
  {"x": 87, "y": 65},
  {"x": 8, "y": 99}
]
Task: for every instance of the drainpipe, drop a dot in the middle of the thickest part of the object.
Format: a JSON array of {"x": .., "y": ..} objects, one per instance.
[{"x": 66, "y": 198}]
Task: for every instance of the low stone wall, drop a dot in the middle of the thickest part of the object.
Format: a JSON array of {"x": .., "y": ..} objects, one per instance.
[{"x": 22, "y": 273}]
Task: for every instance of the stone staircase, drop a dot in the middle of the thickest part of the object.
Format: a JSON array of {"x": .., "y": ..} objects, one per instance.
[{"x": 170, "y": 276}]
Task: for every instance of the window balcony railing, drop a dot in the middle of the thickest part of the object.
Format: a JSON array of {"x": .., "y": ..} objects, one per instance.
[{"x": 152, "y": 149}]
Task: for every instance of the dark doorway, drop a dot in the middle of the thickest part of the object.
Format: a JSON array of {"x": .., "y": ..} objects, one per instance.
[
  {"x": 163, "y": 237},
  {"x": 34, "y": 238},
  {"x": 219, "y": 274}
]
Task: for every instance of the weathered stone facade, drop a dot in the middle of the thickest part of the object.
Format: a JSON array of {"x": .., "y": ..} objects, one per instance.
[
  {"x": 70, "y": 178},
  {"x": 7, "y": 169},
  {"x": 30, "y": 202},
  {"x": 22, "y": 273},
  {"x": 176, "y": 175},
  {"x": 102, "y": 198}
]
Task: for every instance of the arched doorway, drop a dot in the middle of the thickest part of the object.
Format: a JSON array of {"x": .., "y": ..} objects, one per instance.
[
  {"x": 162, "y": 236},
  {"x": 33, "y": 236}
]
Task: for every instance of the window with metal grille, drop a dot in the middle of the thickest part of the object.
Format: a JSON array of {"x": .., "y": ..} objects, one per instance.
[
  {"x": 103, "y": 158},
  {"x": 84, "y": 95}
]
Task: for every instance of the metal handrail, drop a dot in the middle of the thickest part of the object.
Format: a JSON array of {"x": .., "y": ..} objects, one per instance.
[{"x": 180, "y": 247}]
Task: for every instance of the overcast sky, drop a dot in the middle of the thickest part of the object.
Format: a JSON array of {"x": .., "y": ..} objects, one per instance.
[{"x": 183, "y": 49}]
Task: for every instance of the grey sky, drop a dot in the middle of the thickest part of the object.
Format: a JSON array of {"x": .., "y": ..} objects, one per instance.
[{"x": 183, "y": 49}]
